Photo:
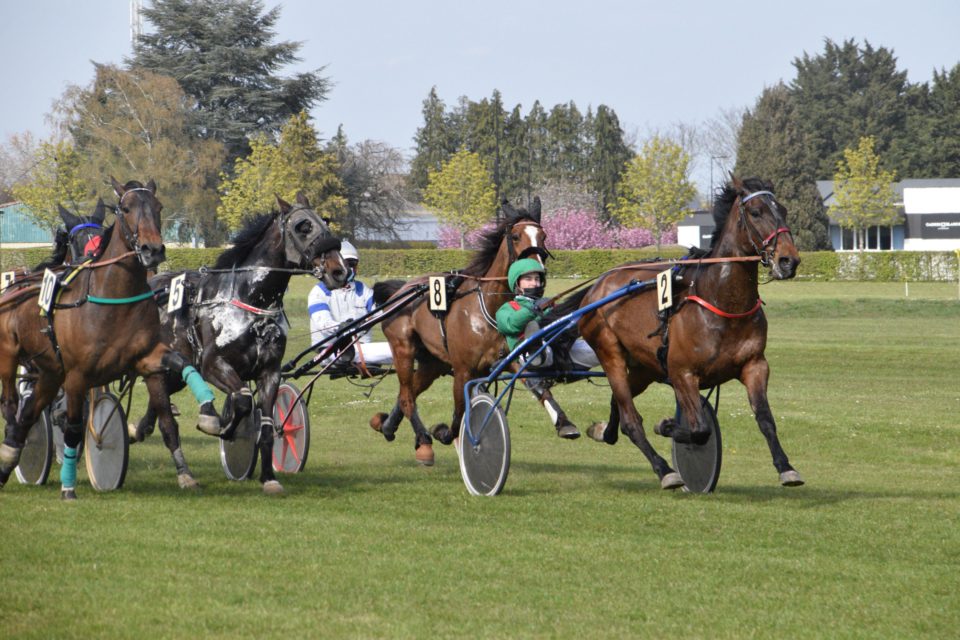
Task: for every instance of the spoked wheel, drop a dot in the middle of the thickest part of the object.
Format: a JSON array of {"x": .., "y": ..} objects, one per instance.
[
  {"x": 37, "y": 454},
  {"x": 484, "y": 447},
  {"x": 107, "y": 444},
  {"x": 699, "y": 464},
  {"x": 238, "y": 457},
  {"x": 290, "y": 416}
]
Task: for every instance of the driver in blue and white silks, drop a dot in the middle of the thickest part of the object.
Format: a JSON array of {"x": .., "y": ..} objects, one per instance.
[{"x": 331, "y": 309}]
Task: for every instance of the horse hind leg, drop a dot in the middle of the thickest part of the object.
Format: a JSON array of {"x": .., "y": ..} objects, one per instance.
[
  {"x": 609, "y": 431},
  {"x": 754, "y": 378},
  {"x": 387, "y": 424},
  {"x": 160, "y": 402},
  {"x": 146, "y": 425}
]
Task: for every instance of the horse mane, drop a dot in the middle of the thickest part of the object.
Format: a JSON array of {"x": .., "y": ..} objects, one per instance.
[
  {"x": 489, "y": 246},
  {"x": 245, "y": 240},
  {"x": 724, "y": 201},
  {"x": 57, "y": 257}
]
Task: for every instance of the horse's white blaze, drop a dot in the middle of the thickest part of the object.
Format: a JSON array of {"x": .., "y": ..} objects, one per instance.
[{"x": 531, "y": 232}]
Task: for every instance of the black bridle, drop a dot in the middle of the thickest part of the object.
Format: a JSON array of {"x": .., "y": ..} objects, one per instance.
[
  {"x": 318, "y": 243},
  {"x": 542, "y": 252},
  {"x": 132, "y": 237},
  {"x": 767, "y": 244}
]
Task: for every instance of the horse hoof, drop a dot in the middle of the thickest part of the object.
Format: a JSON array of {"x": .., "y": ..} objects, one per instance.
[
  {"x": 665, "y": 428},
  {"x": 132, "y": 432},
  {"x": 376, "y": 422},
  {"x": 68, "y": 495},
  {"x": 209, "y": 425},
  {"x": 9, "y": 456},
  {"x": 596, "y": 431},
  {"x": 424, "y": 455},
  {"x": 791, "y": 479},
  {"x": 443, "y": 433},
  {"x": 671, "y": 481},
  {"x": 568, "y": 432},
  {"x": 174, "y": 410},
  {"x": 186, "y": 481},
  {"x": 272, "y": 488}
]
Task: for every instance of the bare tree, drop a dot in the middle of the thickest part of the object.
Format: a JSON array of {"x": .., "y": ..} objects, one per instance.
[
  {"x": 17, "y": 156},
  {"x": 372, "y": 174}
]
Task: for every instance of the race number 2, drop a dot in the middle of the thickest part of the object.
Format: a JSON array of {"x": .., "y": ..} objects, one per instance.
[
  {"x": 175, "y": 301},
  {"x": 438, "y": 293},
  {"x": 664, "y": 290},
  {"x": 47, "y": 289}
]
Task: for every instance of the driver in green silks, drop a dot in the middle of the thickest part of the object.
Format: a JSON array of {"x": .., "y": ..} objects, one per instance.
[{"x": 521, "y": 316}]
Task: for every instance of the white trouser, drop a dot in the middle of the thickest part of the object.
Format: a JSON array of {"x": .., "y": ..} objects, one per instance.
[
  {"x": 583, "y": 355},
  {"x": 373, "y": 353}
]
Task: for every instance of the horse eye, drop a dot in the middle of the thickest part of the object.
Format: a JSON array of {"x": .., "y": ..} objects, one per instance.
[
  {"x": 304, "y": 227},
  {"x": 515, "y": 237},
  {"x": 755, "y": 213}
]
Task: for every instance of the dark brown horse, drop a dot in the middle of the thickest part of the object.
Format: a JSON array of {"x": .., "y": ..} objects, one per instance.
[
  {"x": 717, "y": 330},
  {"x": 104, "y": 324},
  {"x": 232, "y": 326},
  {"x": 464, "y": 340}
]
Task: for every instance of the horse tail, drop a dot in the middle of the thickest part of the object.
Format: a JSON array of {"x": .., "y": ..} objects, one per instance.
[
  {"x": 570, "y": 304},
  {"x": 383, "y": 291}
]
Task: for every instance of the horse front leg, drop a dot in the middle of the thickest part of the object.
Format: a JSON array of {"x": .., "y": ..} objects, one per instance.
[
  {"x": 428, "y": 370},
  {"x": 25, "y": 411},
  {"x": 267, "y": 391},
  {"x": 169, "y": 429},
  {"x": 754, "y": 377}
]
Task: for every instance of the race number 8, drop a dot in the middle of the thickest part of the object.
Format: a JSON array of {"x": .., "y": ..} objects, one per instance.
[
  {"x": 7, "y": 278},
  {"x": 47, "y": 289},
  {"x": 438, "y": 293},
  {"x": 664, "y": 290},
  {"x": 175, "y": 301}
]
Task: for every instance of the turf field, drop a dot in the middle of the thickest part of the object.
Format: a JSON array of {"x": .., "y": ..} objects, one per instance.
[{"x": 582, "y": 542}]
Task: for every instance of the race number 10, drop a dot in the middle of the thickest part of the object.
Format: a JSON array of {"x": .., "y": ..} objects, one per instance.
[
  {"x": 664, "y": 290},
  {"x": 438, "y": 293},
  {"x": 47, "y": 289}
]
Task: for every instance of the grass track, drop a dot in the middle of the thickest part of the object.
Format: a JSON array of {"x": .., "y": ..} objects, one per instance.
[{"x": 581, "y": 544}]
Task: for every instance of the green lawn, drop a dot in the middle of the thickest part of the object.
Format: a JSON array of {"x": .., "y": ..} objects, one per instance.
[{"x": 582, "y": 542}]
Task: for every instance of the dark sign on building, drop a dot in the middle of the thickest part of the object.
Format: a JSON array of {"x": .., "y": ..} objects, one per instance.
[{"x": 934, "y": 226}]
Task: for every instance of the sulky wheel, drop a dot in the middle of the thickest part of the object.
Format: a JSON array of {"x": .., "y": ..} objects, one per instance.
[
  {"x": 106, "y": 443},
  {"x": 484, "y": 447},
  {"x": 291, "y": 446}
]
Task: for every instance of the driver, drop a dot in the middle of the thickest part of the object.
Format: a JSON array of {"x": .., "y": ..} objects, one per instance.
[{"x": 330, "y": 310}]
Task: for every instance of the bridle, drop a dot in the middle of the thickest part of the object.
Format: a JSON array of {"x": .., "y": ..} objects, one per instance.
[
  {"x": 132, "y": 237},
  {"x": 542, "y": 252},
  {"x": 72, "y": 237},
  {"x": 317, "y": 243},
  {"x": 768, "y": 244}
]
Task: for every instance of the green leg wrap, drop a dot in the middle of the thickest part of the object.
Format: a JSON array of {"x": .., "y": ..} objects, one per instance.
[
  {"x": 198, "y": 387},
  {"x": 68, "y": 472}
]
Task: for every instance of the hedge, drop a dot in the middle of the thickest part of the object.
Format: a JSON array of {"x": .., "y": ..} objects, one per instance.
[{"x": 886, "y": 266}]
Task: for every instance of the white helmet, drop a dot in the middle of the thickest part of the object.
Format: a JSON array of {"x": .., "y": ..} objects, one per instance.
[{"x": 348, "y": 251}]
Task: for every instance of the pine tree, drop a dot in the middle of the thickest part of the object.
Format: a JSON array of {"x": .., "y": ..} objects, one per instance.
[
  {"x": 223, "y": 55},
  {"x": 433, "y": 141},
  {"x": 607, "y": 155}
]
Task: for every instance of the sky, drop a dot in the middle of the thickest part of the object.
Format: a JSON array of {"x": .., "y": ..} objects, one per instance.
[{"x": 655, "y": 63}]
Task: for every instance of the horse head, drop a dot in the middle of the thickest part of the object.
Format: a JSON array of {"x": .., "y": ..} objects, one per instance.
[
  {"x": 82, "y": 234},
  {"x": 309, "y": 244},
  {"x": 762, "y": 228},
  {"x": 138, "y": 216},
  {"x": 523, "y": 235}
]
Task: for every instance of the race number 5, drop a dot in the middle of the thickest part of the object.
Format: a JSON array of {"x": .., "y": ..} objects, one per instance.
[
  {"x": 175, "y": 301},
  {"x": 47, "y": 289},
  {"x": 7, "y": 278},
  {"x": 664, "y": 290},
  {"x": 438, "y": 293}
]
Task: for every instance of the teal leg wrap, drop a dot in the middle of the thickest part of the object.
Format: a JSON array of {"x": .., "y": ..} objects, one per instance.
[
  {"x": 68, "y": 472},
  {"x": 198, "y": 387}
]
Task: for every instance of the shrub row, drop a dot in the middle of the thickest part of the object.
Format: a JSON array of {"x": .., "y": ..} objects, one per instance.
[{"x": 887, "y": 266}]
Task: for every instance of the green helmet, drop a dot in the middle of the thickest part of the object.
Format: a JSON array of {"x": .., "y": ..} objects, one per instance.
[{"x": 521, "y": 267}]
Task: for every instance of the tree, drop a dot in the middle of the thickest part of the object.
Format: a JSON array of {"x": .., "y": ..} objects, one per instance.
[
  {"x": 606, "y": 155},
  {"x": 55, "y": 178},
  {"x": 515, "y": 171},
  {"x": 136, "y": 125},
  {"x": 223, "y": 55},
  {"x": 863, "y": 192},
  {"x": 943, "y": 149},
  {"x": 371, "y": 173},
  {"x": 461, "y": 193},
  {"x": 17, "y": 158},
  {"x": 296, "y": 163},
  {"x": 433, "y": 141},
  {"x": 654, "y": 190},
  {"x": 771, "y": 146}
]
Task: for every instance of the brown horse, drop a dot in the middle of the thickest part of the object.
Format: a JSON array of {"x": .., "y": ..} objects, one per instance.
[
  {"x": 104, "y": 324},
  {"x": 717, "y": 330},
  {"x": 464, "y": 340}
]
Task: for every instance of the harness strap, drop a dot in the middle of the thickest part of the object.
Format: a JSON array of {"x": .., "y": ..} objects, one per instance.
[
  {"x": 117, "y": 301},
  {"x": 255, "y": 310},
  {"x": 720, "y": 312}
]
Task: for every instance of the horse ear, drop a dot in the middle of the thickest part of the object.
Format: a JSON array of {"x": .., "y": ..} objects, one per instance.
[
  {"x": 536, "y": 209},
  {"x": 302, "y": 199},
  {"x": 283, "y": 204},
  {"x": 117, "y": 187},
  {"x": 152, "y": 187},
  {"x": 737, "y": 183},
  {"x": 68, "y": 218},
  {"x": 100, "y": 212},
  {"x": 508, "y": 211}
]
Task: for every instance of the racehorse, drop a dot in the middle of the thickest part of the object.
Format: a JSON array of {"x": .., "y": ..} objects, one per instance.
[
  {"x": 465, "y": 339},
  {"x": 233, "y": 328},
  {"x": 101, "y": 325},
  {"x": 79, "y": 239},
  {"x": 717, "y": 330}
]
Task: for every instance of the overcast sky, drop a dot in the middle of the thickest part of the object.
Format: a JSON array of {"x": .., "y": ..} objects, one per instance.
[{"x": 654, "y": 63}]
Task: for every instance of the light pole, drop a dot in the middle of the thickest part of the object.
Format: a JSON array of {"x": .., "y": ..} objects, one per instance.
[{"x": 712, "y": 160}]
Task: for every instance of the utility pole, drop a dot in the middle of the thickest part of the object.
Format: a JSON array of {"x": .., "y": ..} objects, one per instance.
[{"x": 136, "y": 22}]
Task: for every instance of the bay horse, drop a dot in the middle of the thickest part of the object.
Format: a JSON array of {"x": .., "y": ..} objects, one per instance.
[
  {"x": 465, "y": 340},
  {"x": 102, "y": 325},
  {"x": 233, "y": 328},
  {"x": 716, "y": 332}
]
